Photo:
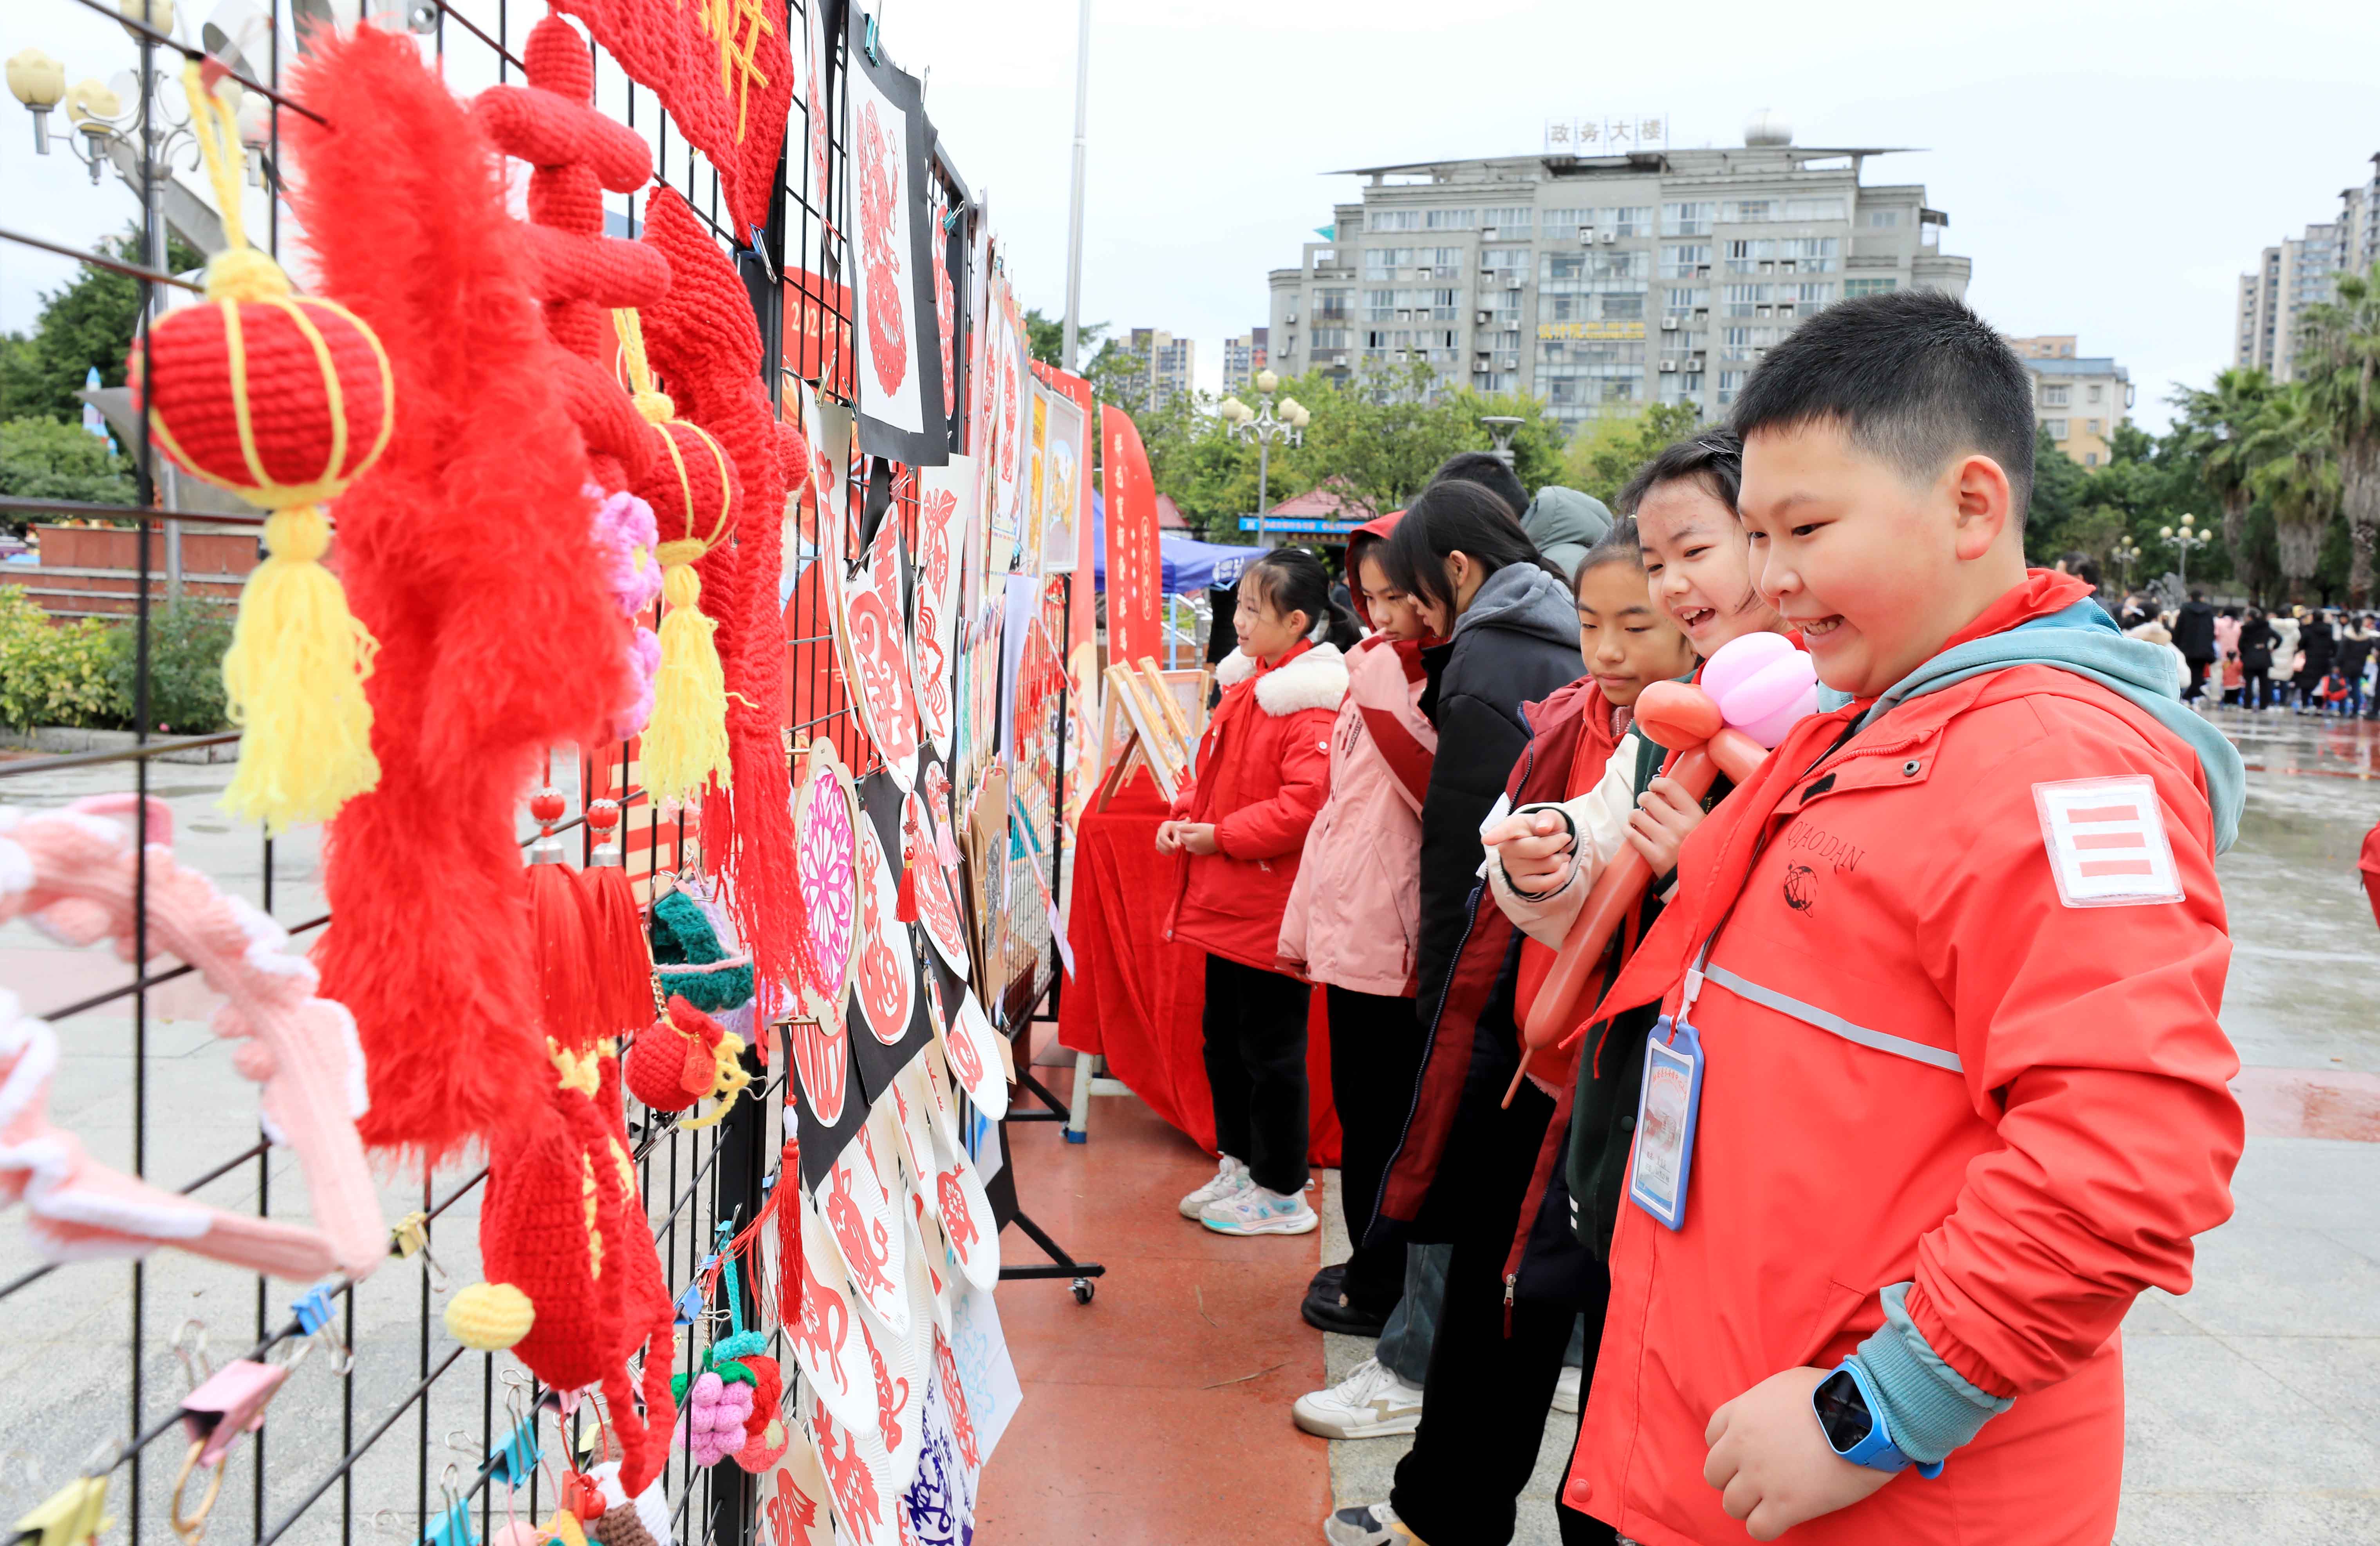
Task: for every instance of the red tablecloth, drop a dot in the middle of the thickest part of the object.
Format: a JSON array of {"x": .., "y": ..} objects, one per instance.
[{"x": 1135, "y": 998}]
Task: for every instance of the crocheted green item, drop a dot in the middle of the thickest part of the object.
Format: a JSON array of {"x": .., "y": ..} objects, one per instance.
[{"x": 690, "y": 961}]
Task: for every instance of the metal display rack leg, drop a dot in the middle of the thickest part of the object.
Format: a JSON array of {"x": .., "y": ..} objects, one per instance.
[{"x": 1004, "y": 1188}]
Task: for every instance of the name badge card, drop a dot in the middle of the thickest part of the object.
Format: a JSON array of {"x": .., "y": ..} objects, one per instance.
[{"x": 1672, "y": 1092}]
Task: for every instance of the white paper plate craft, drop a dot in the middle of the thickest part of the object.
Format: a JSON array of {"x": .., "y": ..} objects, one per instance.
[
  {"x": 899, "y": 1380},
  {"x": 885, "y": 973},
  {"x": 929, "y": 882},
  {"x": 966, "y": 1220},
  {"x": 858, "y": 1474},
  {"x": 826, "y": 854},
  {"x": 866, "y": 1231},
  {"x": 826, "y": 1343},
  {"x": 975, "y": 1060}
]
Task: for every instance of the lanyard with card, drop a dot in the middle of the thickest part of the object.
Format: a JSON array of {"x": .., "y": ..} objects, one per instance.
[{"x": 1666, "y": 1104}]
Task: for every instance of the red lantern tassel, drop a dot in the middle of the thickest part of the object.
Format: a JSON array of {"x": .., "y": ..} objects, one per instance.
[
  {"x": 623, "y": 958},
  {"x": 561, "y": 936}
]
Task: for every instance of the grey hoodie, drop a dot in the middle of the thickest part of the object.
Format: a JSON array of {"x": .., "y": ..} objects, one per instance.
[{"x": 1564, "y": 523}]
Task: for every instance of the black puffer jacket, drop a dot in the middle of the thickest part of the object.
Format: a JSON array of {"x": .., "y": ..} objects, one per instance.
[
  {"x": 2193, "y": 631},
  {"x": 1517, "y": 643}
]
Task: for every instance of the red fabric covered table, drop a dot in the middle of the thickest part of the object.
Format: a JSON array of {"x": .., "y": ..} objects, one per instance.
[{"x": 1136, "y": 997}]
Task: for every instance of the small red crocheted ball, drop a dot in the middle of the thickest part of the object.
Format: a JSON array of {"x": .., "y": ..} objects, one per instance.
[
  {"x": 691, "y": 485},
  {"x": 314, "y": 384}
]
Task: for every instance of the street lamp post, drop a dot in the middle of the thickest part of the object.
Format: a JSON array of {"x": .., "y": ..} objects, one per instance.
[
  {"x": 1269, "y": 421},
  {"x": 1500, "y": 427},
  {"x": 138, "y": 124},
  {"x": 2183, "y": 539},
  {"x": 2126, "y": 552}
]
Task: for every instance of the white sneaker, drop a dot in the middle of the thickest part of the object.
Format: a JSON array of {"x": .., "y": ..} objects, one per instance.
[
  {"x": 1230, "y": 1177},
  {"x": 1372, "y": 1401},
  {"x": 1254, "y": 1210},
  {"x": 1566, "y": 1390},
  {"x": 1371, "y": 1525}
]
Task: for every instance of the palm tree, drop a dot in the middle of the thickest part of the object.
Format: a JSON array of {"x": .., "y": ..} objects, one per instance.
[
  {"x": 2342, "y": 374},
  {"x": 2296, "y": 473},
  {"x": 2227, "y": 416}
]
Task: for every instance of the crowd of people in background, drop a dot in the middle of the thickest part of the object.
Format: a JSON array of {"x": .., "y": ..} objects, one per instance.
[
  {"x": 2321, "y": 661},
  {"x": 1404, "y": 793}
]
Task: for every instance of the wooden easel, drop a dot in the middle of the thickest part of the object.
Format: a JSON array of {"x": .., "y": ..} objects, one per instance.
[{"x": 1152, "y": 741}]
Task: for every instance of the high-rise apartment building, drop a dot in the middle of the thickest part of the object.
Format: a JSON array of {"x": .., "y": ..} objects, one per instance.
[
  {"x": 2302, "y": 272},
  {"x": 1243, "y": 357},
  {"x": 1602, "y": 283},
  {"x": 2080, "y": 399},
  {"x": 1168, "y": 360}
]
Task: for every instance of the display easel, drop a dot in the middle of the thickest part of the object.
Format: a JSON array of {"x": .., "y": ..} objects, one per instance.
[{"x": 1151, "y": 742}]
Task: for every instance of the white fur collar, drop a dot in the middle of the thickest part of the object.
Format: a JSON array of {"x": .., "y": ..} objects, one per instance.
[{"x": 1316, "y": 679}]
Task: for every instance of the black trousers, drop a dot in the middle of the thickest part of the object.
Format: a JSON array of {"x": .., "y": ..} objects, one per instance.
[
  {"x": 1375, "y": 1046},
  {"x": 1482, "y": 1414},
  {"x": 1255, "y": 1026},
  {"x": 2198, "y": 670}
]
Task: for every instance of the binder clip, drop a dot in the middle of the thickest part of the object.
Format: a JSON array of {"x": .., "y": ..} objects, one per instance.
[
  {"x": 410, "y": 1237},
  {"x": 222, "y": 1404},
  {"x": 73, "y": 1516},
  {"x": 452, "y": 1526},
  {"x": 316, "y": 1321}
]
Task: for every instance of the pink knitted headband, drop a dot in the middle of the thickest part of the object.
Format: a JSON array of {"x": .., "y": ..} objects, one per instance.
[{"x": 73, "y": 873}]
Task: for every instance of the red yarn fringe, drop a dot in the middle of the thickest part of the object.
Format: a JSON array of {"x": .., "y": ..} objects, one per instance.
[
  {"x": 561, "y": 942},
  {"x": 704, "y": 339},
  {"x": 623, "y": 956},
  {"x": 464, "y": 550}
]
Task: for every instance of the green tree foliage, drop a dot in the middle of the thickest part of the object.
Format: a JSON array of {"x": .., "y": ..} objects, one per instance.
[
  {"x": 2297, "y": 475},
  {"x": 1117, "y": 375},
  {"x": 87, "y": 322},
  {"x": 42, "y": 458},
  {"x": 54, "y": 674},
  {"x": 1376, "y": 437},
  {"x": 2218, "y": 420},
  {"x": 2341, "y": 371},
  {"x": 1605, "y": 452}
]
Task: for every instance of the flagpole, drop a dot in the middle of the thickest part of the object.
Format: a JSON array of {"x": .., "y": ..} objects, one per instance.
[{"x": 1074, "y": 215}]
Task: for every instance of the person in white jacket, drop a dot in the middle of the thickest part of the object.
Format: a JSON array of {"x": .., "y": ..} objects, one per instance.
[{"x": 1542, "y": 858}]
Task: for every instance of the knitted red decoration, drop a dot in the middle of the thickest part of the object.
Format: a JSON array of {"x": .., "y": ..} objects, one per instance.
[
  {"x": 724, "y": 68},
  {"x": 624, "y": 958},
  {"x": 285, "y": 400},
  {"x": 675, "y": 1062},
  {"x": 562, "y": 934},
  {"x": 769, "y": 1438},
  {"x": 579, "y": 273},
  {"x": 465, "y": 550},
  {"x": 705, "y": 344}
]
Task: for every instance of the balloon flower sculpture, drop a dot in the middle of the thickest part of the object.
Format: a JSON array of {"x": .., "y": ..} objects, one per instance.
[{"x": 1751, "y": 692}]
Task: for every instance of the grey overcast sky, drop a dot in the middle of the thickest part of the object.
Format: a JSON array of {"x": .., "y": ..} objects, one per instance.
[{"x": 2111, "y": 167}]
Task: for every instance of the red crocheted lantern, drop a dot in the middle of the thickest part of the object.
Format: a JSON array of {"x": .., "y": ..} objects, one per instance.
[
  {"x": 281, "y": 398},
  {"x": 284, "y": 399}
]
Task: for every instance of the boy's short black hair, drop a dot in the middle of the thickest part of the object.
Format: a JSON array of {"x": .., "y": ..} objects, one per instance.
[
  {"x": 1489, "y": 472},
  {"x": 1912, "y": 376}
]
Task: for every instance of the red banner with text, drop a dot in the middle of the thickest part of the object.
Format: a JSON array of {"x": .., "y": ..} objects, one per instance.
[{"x": 1136, "y": 573}]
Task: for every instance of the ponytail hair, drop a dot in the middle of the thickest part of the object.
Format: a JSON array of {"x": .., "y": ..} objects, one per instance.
[
  {"x": 1453, "y": 515},
  {"x": 1291, "y": 579}
]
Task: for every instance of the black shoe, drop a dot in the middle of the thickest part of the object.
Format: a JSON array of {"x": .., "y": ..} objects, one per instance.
[
  {"x": 1335, "y": 1314},
  {"x": 1327, "y": 1283}
]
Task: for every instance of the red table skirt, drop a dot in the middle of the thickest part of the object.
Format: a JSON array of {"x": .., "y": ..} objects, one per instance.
[{"x": 1136, "y": 997}]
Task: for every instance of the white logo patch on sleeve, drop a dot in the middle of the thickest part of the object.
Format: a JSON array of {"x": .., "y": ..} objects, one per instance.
[{"x": 2106, "y": 842}]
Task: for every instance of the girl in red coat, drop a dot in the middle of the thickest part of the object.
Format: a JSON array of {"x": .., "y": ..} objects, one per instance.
[{"x": 1262, "y": 773}]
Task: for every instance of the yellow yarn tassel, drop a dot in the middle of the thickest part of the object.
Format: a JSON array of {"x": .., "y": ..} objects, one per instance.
[
  {"x": 294, "y": 678},
  {"x": 685, "y": 742}
]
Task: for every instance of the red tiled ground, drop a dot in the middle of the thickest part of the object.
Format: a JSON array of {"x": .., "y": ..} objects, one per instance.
[{"x": 1141, "y": 1421}]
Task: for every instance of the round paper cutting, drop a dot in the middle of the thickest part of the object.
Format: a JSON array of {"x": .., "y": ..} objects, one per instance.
[
  {"x": 826, "y": 841},
  {"x": 885, "y": 973}
]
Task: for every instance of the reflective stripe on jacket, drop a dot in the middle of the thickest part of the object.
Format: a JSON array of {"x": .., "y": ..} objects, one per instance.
[{"x": 1923, "y": 1064}]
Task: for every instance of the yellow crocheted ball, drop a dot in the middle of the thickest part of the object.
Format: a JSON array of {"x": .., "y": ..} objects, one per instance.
[{"x": 489, "y": 1315}]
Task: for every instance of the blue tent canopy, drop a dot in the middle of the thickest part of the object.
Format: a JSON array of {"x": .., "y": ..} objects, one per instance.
[{"x": 1189, "y": 566}]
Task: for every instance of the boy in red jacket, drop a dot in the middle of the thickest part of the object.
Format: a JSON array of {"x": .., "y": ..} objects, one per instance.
[{"x": 1938, "y": 1086}]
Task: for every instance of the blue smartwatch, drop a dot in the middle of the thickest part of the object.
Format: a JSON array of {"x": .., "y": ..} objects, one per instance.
[{"x": 1853, "y": 1419}]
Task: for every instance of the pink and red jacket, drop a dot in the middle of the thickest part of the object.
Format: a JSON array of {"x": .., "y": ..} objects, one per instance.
[{"x": 1354, "y": 918}]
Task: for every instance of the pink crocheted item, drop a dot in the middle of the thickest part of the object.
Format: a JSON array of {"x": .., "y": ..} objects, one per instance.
[
  {"x": 626, "y": 533},
  {"x": 72, "y": 873}
]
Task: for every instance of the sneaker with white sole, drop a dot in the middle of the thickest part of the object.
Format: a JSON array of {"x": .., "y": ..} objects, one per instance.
[
  {"x": 1230, "y": 1177},
  {"x": 1254, "y": 1211},
  {"x": 1372, "y": 1401},
  {"x": 1566, "y": 1390},
  {"x": 1371, "y": 1525}
]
